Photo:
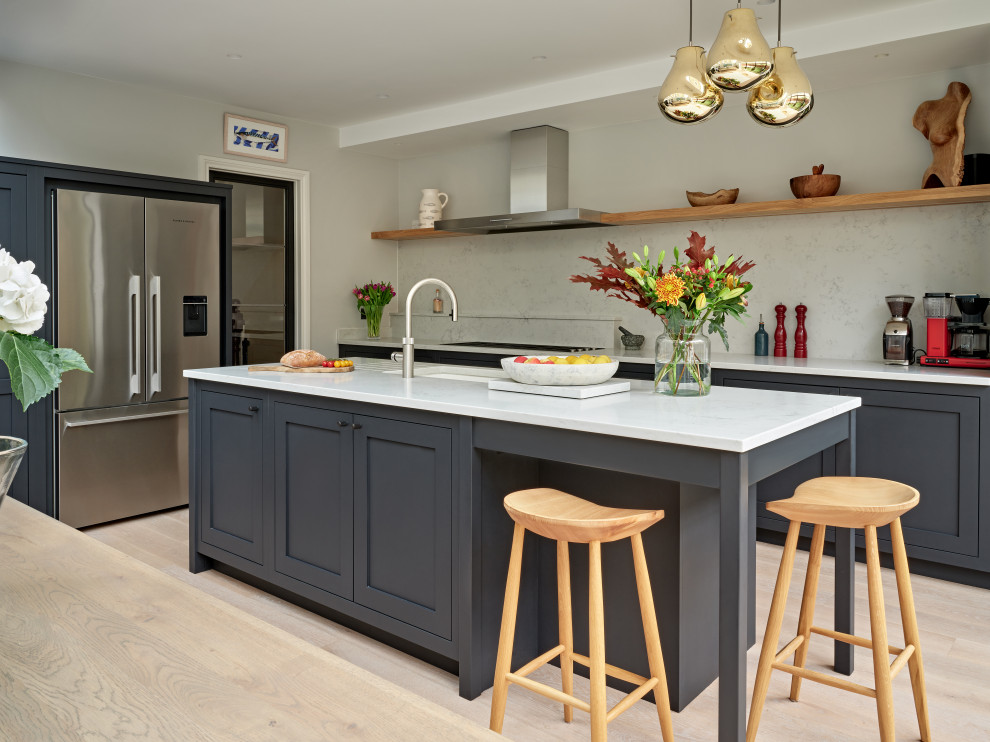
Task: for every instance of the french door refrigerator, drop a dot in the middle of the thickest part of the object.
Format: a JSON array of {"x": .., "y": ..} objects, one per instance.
[{"x": 137, "y": 292}]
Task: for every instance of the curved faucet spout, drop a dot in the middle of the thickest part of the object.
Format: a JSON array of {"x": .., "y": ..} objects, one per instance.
[{"x": 408, "y": 348}]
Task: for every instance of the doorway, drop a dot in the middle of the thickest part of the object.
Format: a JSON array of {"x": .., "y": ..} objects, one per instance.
[{"x": 262, "y": 267}]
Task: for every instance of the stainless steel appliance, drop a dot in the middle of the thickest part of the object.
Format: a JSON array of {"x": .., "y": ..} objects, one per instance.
[
  {"x": 898, "y": 337},
  {"x": 538, "y": 195},
  {"x": 137, "y": 292}
]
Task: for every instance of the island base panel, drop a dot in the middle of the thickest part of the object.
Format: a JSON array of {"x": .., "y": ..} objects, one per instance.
[{"x": 682, "y": 552}]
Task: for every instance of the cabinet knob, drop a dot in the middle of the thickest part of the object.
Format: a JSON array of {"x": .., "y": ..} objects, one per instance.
[
  {"x": 253, "y": 408},
  {"x": 343, "y": 423},
  {"x": 356, "y": 426}
]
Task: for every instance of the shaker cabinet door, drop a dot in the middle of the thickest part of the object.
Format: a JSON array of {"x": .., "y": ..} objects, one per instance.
[
  {"x": 931, "y": 442},
  {"x": 231, "y": 473},
  {"x": 403, "y": 538},
  {"x": 314, "y": 503}
]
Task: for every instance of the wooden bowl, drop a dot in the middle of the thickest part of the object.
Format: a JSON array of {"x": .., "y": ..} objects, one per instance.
[
  {"x": 723, "y": 196},
  {"x": 815, "y": 185}
]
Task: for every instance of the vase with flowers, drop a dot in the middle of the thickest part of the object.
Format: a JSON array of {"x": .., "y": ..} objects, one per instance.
[
  {"x": 35, "y": 367},
  {"x": 372, "y": 299},
  {"x": 690, "y": 296}
]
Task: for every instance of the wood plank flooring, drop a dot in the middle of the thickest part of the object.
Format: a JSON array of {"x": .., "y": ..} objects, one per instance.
[{"x": 955, "y": 637}]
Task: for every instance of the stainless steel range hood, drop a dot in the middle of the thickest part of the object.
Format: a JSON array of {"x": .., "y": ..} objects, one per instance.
[{"x": 537, "y": 189}]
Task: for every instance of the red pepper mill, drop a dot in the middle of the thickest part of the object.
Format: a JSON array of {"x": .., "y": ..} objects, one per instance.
[
  {"x": 800, "y": 334},
  {"x": 780, "y": 334}
]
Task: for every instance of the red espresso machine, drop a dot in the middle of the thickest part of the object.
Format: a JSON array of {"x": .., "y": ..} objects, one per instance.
[{"x": 956, "y": 341}]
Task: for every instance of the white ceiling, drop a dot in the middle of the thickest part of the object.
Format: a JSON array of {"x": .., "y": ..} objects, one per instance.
[{"x": 461, "y": 69}]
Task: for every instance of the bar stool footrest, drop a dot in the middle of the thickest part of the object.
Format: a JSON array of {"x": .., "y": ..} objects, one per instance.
[
  {"x": 858, "y": 641},
  {"x": 552, "y": 693},
  {"x": 824, "y": 679},
  {"x": 612, "y": 671}
]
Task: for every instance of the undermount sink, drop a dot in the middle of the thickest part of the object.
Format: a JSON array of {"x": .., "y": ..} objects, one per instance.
[{"x": 456, "y": 373}]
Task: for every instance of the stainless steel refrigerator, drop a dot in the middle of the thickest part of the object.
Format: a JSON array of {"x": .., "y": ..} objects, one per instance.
[{"x": 137, "y": 292}]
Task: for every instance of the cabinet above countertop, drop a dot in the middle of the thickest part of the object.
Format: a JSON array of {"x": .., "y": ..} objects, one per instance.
[{"x": 828, "y": 204}]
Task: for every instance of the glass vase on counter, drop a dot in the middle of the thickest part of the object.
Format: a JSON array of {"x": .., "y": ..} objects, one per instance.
[
  {"x": 373, "y": 315},
  {"x": 683, "y": 361}
]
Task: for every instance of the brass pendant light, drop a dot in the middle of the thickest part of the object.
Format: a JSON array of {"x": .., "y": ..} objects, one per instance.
[
  {"x": 786, "y": 96},
  {"x": 739, "y": 57},
  {"x": 687, "y": 96}
]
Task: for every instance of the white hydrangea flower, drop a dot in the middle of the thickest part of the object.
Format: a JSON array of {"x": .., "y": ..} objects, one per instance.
[{"x": 23, "y": 297}]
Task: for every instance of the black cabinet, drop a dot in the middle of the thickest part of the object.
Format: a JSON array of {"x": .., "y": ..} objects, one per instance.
[
  {"x": 314, "y": 500},
  {"x": 403, "y": 500},
  {"x": 926, "y": 435},
  {"x": 354, "y": 512},
  {"x": 231, "y": 472},
  {"x": 931, "y": 442}
]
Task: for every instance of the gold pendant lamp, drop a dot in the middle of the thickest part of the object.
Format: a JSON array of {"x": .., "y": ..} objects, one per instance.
[
  {"x": 739, "y": 57},
  {"x": 687, "y": 96},
  {"x": 785, "y": 97}
]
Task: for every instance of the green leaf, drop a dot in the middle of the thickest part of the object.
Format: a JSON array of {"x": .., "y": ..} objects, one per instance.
[{"x": 35, "y": 366}]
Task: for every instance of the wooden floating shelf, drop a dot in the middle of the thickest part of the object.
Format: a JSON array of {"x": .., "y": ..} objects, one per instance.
[{"x": 854, "y": 202}]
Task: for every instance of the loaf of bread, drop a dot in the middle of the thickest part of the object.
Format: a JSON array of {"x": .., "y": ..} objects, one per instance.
[{"x": 303, "y": 359}]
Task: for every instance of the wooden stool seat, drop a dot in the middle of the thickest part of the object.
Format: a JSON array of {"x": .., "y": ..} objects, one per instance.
[
  {"x": 563, "y": 517},
  {"x": 847, "y": 502}
]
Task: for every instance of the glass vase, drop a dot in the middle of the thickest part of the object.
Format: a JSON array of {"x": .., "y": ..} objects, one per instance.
[
  {"x": 11, "y": 452},
  {"x": 373, "y": 315},
  {"x": 683, "y": 362}
]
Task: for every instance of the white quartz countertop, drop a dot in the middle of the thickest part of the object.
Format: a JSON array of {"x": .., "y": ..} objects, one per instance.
[
  {"x": 729, "y": 419},
  {"x": 743, "y": 362}
]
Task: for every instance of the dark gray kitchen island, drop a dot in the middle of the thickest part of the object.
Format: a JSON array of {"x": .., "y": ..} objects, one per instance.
[{"x": 376, "y": 500}]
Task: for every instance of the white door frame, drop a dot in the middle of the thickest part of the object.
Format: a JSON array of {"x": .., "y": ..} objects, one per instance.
[{"x": 301, "y": 180}]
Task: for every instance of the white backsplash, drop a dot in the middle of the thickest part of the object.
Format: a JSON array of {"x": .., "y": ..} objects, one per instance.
[{"x": 840, "y": 265}]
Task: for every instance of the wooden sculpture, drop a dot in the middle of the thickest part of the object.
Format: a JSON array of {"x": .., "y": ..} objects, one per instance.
[{"x": 941, "y": 121}]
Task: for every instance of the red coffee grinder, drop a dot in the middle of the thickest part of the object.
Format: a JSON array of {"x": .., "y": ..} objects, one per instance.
[{"x": 959, "y": 341}]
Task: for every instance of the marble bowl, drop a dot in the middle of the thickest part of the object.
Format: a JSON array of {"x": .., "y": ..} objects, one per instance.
[{"x": 558, "y": 374}]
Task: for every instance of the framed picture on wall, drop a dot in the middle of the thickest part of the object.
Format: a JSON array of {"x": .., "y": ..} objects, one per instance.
[{"x": 252, "y": 138}]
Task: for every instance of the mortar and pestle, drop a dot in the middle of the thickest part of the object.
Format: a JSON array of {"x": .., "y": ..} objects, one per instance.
[{"x": 629, "y": 340}]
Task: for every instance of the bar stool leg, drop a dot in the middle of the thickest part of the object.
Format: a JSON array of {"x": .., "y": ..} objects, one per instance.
[
  {"x": 807, "y": 618},
  {"x": 596, "y": 630},
  {"x": 772, "y": 634},
  {"x": 503, "y": 663},
  {"x": 652, "y": 633},
  {"x": 878, "y": 636},
  {"x": 565, "y": 627},
  {"x": 910, "y": 621}
]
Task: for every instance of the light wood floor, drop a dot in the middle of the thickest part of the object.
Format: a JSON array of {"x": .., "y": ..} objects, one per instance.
[{"x": 955, "y": 637}]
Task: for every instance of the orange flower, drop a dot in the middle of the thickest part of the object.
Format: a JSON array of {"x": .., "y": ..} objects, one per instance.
[
  {"x": 731, "y": 281},
  {"x": 669, "y": 289}
]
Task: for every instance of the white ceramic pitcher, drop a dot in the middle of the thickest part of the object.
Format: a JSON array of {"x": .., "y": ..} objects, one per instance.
[{"x": 431, "y": 206}]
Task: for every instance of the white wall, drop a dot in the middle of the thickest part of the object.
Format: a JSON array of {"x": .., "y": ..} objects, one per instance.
[
  {"x": 64, "y": 118},
  {"x": 839, "y": 265}
]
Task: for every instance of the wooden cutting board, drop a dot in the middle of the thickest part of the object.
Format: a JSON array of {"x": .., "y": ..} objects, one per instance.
[{"x": 279, "y": 368}]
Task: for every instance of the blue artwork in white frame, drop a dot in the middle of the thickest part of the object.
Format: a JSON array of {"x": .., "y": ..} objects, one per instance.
[{"x": 252, "y": 138}]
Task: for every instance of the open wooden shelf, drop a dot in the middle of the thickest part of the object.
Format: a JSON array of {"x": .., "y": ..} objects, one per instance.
[{"x": 854, "y": 202}]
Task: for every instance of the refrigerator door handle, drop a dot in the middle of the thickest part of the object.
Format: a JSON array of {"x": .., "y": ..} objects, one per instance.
[
  {"x": 125, "y": 419},
  {"x": 134, "y": 339},
  {"x": 155, "y": 301}
]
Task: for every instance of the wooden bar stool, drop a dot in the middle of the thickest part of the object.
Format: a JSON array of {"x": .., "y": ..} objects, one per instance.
[
  {"x": 845, "y": 502},
  {"x": 565, "y": 518}
]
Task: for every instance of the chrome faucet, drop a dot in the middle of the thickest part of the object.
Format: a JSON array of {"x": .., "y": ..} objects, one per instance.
[{"x": 407, "y": 341}]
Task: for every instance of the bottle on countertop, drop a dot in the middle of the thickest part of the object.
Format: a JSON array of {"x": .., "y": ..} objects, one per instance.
[
  {"x": 762, "y": 340},
  {"x": 438, "y": 303}
]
